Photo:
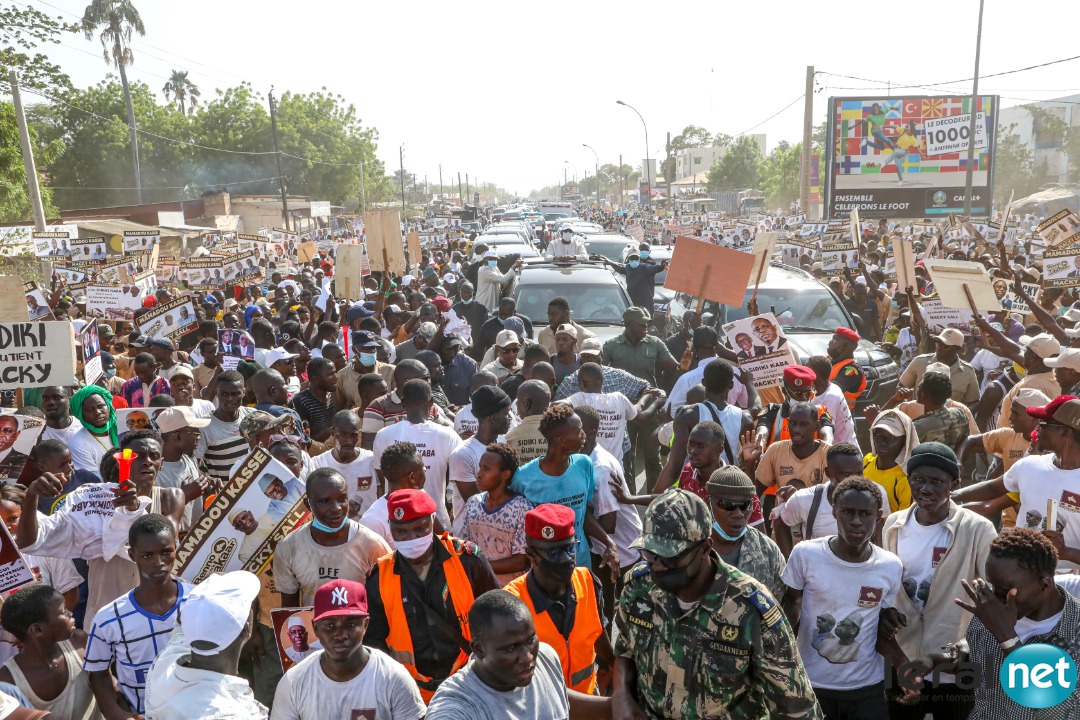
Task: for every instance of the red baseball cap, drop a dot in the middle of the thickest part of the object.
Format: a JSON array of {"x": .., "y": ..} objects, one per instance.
[
  {"x": 408, "y": 505},
  {"x": 847, "y": 334},
  {"x": 550, "y": 523},
  {"x": 799, "y": 376},
  {"x": 441, "y": 303},
  {"x": 340, "y": 598},
  {"x": 1046, "y": 412}
]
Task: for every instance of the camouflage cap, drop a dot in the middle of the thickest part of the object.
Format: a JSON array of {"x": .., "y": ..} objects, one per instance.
[
  {"x": 673, "y": 522},
  {"x": 258, "y": 421}
]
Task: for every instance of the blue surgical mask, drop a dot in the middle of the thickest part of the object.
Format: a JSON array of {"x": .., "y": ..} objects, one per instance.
[
  {"x": 326, "y": 528},
  {"x": 729, "y": 538},
  {"x": 110, "y": 373},
  {"x": 367, "y": 359},
  {"x": 634, "y": 263},
  {"x": 467, "y": 302},
  {"x": 645, "y": 254},
  {"x": 493, "y": 263}
]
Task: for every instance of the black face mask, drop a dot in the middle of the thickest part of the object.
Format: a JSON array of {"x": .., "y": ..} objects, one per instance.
[
  {"x": 674, "y": 580},
  {"x": 558, "y": 570}
]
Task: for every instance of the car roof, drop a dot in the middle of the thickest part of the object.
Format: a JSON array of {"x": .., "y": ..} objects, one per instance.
[{"x": 590, "y": 272}]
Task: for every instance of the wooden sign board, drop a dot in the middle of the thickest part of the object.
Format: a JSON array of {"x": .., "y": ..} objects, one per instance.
[
  {"x": 305, "y": 251},
  {"x": 764, "y": 245},
  {"x": 716, "y": 273},
  {"x": 348, "y": 271},
  {"x": 13, "y": 307},
  {"x": 904, "y": 260},
  {"x": 413, "y": 240},
  {"x": 950, "y": 277},
  {"x": 382, "y": 230}
]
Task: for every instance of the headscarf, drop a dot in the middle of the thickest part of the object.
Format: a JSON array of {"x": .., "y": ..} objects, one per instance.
[
  {"x": 249, "y": 313},
  {"x": 76, "y": 405},
  {"x": 900, "y": 423}
]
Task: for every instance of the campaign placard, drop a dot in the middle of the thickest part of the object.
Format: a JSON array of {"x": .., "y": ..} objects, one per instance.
[
  {"x": 260, "y": 505},
  {"x": 295, "y": 633},
  {"x": 171, "y": 320},
  {"x": 19, "y": 435},
  {"x": 36, "y": 354},
  {"x": 91, "y": 352},
  {"x": 204, "y": 272},
  {"x": 140, "y": 240},
  {"x": 1060, "y": 230},
  {"x": 15, "y": 572},
  {"x": 52, "y": 244},
  {"x": 36, "y": 305},
  {"x": 761, "y": 347}
]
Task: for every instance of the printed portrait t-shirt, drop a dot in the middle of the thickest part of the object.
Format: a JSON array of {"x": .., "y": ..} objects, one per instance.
[{"x": 841, "y": 603}]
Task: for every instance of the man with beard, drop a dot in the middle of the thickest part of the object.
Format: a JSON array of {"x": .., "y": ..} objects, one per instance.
[{"x": 11, "y": 460}]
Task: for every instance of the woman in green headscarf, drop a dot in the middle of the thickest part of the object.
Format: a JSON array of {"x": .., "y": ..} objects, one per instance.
[{"x": 92, "y": 406}]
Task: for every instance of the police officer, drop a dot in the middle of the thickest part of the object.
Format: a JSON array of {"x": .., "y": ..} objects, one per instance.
[
  {"x": 846, "y": 373},
  {"x": 697, "y": 638},
  {"x": 566, "y": 601}
]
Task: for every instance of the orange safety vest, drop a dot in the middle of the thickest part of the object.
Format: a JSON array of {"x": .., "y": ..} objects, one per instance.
[
  {"x": 399, "y": 641},
  {"x": 780, "y": 432},
  {"x": 578, "y": 653},
  {"x": 851, "y": 397}
]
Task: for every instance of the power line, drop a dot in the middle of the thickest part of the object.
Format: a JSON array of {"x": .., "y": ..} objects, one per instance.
[
  {"x": 935, "y": 88},
  {"x": 773, "y": 115},
  {"x": 167, "y": 187}
]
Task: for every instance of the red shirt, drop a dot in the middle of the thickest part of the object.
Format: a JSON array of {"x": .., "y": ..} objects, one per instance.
[{"x": 690, "y": 479}]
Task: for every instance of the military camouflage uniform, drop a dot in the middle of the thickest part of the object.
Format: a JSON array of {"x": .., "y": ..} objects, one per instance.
[
  {"x": 945, "y": 425},
  {"x": 732, "y": 655},
  {"x": 761, "y": 559}
]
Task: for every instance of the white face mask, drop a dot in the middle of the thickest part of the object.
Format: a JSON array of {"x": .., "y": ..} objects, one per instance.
[{"x": 416, "y": 547}]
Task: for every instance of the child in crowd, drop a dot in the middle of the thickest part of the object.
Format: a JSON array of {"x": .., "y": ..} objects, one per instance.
[{"x": 494, "y": 518}]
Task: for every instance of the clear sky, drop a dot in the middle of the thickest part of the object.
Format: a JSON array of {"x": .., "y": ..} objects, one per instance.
[{"x": 508, "y": 92}]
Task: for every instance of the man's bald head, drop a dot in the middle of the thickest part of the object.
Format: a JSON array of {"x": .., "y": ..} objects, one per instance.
[
  {"x": 268, "y": 386},
  {"x": 533, "y": 397},
  {"x": 481, "y": 379},
  {"x": 407, "y": 370}
]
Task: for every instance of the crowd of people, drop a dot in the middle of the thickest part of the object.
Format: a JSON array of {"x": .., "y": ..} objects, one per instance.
[{"x": 509, "y": 521}]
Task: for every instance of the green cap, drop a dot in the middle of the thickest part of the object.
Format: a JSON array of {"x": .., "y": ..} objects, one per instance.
[
  {"x": 636, "y": 314},
  {"x": 674, "y": 521}
]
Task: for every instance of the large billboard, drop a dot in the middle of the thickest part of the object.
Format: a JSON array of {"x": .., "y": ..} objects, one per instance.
[{"x": 906, "y": 157}]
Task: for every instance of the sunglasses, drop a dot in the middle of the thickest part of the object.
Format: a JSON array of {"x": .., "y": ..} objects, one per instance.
[
  {"x": 668, "y": 562},
  {"x": 294, "y": 439},
  {"x": 509, "y": 351},
  {"x": 558, "y": 554},
  {"x": 729, "y": 506}
]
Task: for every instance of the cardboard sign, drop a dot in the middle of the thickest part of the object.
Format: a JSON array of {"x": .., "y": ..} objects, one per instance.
[
  {"x": 1060, "y": 230},
  {"x": 305, "y": 251},
  {"x": 52, "y": 244},
  {"x": 204, "y": 272},
  {"x": 904, "y": 261},
  {"x": 838, "y": 258},
  {"x": 950, "y": 277},
  {"x": 37, "y": 307},
  {"x": 36, "y": 354},
  {"x": 243, "y": 525},
  {"x": 764, "y": 244},
  {"x": 234, "y": 346},
  {"x": 704, "y": 270},
  {"x": 171, "y": 320},
  {"x": 295, "y": 634},
  {"x": 348, "y": 272},
  {"x": 27, "y": 430},
  {"x": 1061, "y": 267},
  {"x": 413, "y": 240},
  {"x": 1010, "y": 300},
  {"x": 14, "y": 570},
  {"x": 118, "y": 302},
  {"x": 938, "y": 317},
  {"x": 761, "y": 347},
  {"x": 383, "y": 235}
]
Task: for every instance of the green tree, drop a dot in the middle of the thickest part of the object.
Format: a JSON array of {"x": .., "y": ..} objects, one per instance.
[
  {"x": 114, "y": 22},
  {"x": 1014, "y": 165},
  {"x": 692, "y": 136},
  {"x": 181, "y": 90},
  {"x": 739, "y": 168},
  {"x": 14, "y": 195},
  {"x": 780, "y": 174},
  {"x": 22, "y": 31}
]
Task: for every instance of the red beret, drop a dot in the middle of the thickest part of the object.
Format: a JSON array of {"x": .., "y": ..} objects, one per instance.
[
  {"x": 550, "y": 523},
  {"x": 149, "y": 301},
  {"x": 441, "y": 303},
  {"x": 799, "y": 376},
  {"x": 847, "y": 334},
  {"x": 408, "y": 505}
]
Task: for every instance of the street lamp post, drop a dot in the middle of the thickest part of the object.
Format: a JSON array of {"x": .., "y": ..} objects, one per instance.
[
  {"x": 597, "y": 158},
  {"x": 971, "y": 126},
  {"x": 645, "y": 165},
  {"x": 573, "y": 166}
]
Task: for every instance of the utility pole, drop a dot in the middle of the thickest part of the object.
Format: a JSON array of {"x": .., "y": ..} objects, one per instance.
[
  {"x": 807, "y": 139},
  {"x": 401, "y": 159},
  {"x": 468, "y": 192},
  {"x": 971, "y": 124},
  {"x": 440, "y": 181},
  {"x": 363, "y": 192},
  {"x": 28, "y": 155},
  {"x": 622, "y": 183},
  {"x": 461, "y": 197},
  {"x": 277, "y": 154},
  {"x": 667, "y": 176}
]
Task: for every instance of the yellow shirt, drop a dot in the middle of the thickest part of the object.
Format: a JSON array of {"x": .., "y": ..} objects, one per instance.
[{"x": 893, "y": 479}]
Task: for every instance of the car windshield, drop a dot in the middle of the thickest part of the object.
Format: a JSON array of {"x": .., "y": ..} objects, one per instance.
[
  {"x": 601, "y": 304},
  {"x": 611, "y": 250},
  {"x": 809, "y": 310}
]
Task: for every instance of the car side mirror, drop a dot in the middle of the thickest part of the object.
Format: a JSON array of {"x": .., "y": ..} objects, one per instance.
[{"x": 859, "y": 325}]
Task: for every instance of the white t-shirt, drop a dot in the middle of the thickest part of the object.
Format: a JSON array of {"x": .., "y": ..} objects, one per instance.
[
  {"x": 377, "y": 519},
  {"x": 359, "y": 477},
  {"x": 986, "y": 361},
  {"x": 920, "y": 548},
  {"x": 465, "y": 423},
  {"x": 64, "y": 435},
  {"x": 464, "y": 462},
  {"x": 383, "y": 690},
  {"x": 843, "y": 424},
  {"x": 796, "y": 511},
  {"x": 615, "y": 411},
  {"x": 737, "y": 396},
  {"x": 435, "y": 444},
  {"x": 302, "y": 565},
  {"x": 87, "y": 450},
  {"x": 1026, "y": 628},
  {"x": 627, "y": 521},
  {"x": 848, "y": 597},
  {"x": 1037, "y": 480}
]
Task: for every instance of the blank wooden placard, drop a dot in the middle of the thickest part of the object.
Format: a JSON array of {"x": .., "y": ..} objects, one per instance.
[
  {"x": 764, "y": 245},
  {"x": 950, "y": 277},
  {"x": 702, "y": 269},
  {"x": 904, "y": 260},
  {"x": 413, "y": 240},
  {"x": 348, "y": 271},
  {"x": 382, "y": 229},
  {"x": 13, "y": 300}
]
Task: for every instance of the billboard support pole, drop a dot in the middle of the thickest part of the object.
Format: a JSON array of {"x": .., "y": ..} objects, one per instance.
[
  {"x": 971, "y": 124},
  {"x": 808, "y": 135}
]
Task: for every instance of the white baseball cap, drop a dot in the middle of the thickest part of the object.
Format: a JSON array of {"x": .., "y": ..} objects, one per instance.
[
  {"x": 1068, "y": 358},
  {"x": 1044, "y": 345},
  {"x": 951, "y": 336},
  {"x": 277, "y": 355},
  {"x": 506, "y": 338},
  {"x": 217, "y": 610},
  {"x": 177, "y": 418}
]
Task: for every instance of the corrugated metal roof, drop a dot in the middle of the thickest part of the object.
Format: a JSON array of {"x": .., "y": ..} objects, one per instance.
[{"x": 97, "y": 226}]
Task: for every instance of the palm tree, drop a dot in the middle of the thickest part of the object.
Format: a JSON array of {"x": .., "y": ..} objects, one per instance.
[
  {"x": 114, "y": 21},
  {"x": 185, "y": 92}
]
